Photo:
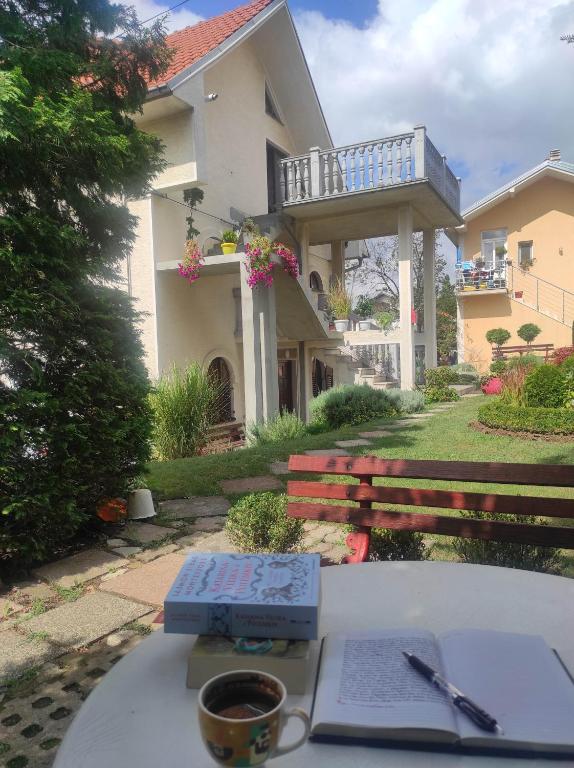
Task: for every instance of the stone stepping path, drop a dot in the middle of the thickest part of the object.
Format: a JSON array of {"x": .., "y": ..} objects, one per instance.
[
  {"x": 327, "y": 452},
  {"x": 251, "y": 484},
  {"x": 19, "y": 653},
  {"x": 355, "y": 443},
  {"x": 148, "y": 584},
  {"x": 279, "y": 468},
  {"x": 146, "y": 533},
  {"x": 85, "y": 620},
  {"x": 196, "y": 506},
  {"x": 79, "y": 568},
  {"x": 376, "y": 433}
]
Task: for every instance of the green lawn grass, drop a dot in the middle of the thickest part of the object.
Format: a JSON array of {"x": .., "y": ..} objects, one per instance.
[{"x": 447, "y": 436}]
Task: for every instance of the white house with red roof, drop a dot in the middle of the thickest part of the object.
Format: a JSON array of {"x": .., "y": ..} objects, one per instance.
[{"x": 240, "y": 119}]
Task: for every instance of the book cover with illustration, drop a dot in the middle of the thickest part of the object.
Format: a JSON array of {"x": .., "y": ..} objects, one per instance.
[{"x": 272, "y": 596}]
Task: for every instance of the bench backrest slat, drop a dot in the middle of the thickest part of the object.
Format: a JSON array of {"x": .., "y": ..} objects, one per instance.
[
  {"x": 428, "y": 497},
  {"x": 557, "y": 475},
  {"x": 549, "y": 536}
]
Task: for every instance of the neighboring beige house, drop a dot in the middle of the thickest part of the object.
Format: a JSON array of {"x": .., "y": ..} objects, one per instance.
[
  {"x": 238, "y": 114},
  {"x": 517, "y": 261}
]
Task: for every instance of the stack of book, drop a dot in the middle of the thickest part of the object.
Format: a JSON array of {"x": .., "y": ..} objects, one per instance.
[{"x": 250, "y": 611}]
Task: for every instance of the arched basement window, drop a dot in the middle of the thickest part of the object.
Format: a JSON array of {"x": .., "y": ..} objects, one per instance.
[{"x": 219, "y": 372}]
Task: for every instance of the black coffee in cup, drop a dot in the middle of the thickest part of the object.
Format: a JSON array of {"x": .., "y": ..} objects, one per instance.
[{"x": 243, "y": 702}]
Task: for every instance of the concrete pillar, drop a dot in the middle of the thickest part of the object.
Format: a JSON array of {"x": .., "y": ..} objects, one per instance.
[
  {"x": 429, "y": 298},
  {"x": 338, "y": 260},
  {"x": 405, "y": 227},
  {"x": 303, "y": 237},
  {"x": 259, "y": 351}
]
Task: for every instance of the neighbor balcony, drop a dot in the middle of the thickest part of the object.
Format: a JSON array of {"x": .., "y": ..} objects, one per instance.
[{"x": 477, "y": 277}]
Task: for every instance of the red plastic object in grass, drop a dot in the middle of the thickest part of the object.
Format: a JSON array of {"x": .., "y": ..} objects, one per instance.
[{"x": 492, "y": 386}]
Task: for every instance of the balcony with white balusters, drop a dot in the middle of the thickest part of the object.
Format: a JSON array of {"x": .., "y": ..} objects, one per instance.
[{"x": 354, "y": 192}]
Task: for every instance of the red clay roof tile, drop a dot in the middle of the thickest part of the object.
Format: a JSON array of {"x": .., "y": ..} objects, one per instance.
[{"x": 192, "y": 43}]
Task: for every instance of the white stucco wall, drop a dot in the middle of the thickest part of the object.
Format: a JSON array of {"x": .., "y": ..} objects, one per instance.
[{"x": 197, "y": 322}]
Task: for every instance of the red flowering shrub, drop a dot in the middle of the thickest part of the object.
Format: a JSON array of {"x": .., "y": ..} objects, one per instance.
[
  {"x": 493, "y": 386},
  {"x": 561, "y": 354}
]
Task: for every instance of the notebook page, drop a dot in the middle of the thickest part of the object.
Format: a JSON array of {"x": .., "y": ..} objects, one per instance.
[
  {"x": 365, "y": 681},
  {"x": 518, "y": 680}
]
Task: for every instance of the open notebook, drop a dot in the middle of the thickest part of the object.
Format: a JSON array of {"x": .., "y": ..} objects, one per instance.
[{"x": 367, "y": 690}]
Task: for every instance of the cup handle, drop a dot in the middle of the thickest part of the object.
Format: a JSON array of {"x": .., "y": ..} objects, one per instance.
[{"x": 304, "y": 717}]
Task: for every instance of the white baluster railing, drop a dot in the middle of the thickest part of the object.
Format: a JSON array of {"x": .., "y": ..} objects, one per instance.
[{"x": 357, "y": 168}]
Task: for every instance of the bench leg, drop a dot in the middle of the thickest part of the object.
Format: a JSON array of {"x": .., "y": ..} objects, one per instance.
[{"x": 358, "y": 542}]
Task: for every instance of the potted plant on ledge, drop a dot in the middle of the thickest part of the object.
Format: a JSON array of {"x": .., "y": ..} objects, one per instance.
[
  {"x": 229, "y": 240},
  {"x": 364, "y": 309},
  {"x": 339, "y": 303}
]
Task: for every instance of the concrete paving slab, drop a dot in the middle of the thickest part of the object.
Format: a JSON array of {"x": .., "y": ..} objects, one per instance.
[
  {"x": 79, "y": 568},
  {"x": 327, "y": 452},
  {"x": 150, "y": 583},
  {"x": 9, "y": 608},
  {"x": 352, "y": 443},
  {"x": 115, "y": 543},
  {"x": 207, "y": 542},
  {"x": 146, "y": 533},
  {"x": 210, "y": 524},
  {"x": 376, "y": 433},
  {"x": 28, "y": 591},
  {"x": 87, "y": 619},
  {"x": 196, "y": 506},
  {"x": 19, "y": 653},
  {"x": 250, "y": 484},
  {"x": 279, "y": 468},
  {"x": 152, "y": 554},
  {"x": 127, "y": 551}
]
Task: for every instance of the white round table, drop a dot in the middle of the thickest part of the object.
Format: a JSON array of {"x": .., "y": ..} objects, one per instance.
[{"x": 143, "y": 716}]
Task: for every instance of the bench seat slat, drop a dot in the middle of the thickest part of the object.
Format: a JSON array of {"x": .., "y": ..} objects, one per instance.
[
  {"x": 428, "y": 497},
  {"x": 467, "y": 471},
  {"x": 542, "y": 535}
]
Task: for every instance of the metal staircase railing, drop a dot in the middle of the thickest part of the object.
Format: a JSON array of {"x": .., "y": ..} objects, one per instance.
[{"x": 544, "y": 297}]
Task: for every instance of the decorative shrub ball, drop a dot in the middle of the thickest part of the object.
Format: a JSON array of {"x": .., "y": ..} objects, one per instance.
[{"x": 546, "y": 387}]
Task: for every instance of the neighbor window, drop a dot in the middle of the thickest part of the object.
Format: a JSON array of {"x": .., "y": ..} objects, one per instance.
[
  {"x": 525, "y": 253},
  {"x": 493, "y": 247}
]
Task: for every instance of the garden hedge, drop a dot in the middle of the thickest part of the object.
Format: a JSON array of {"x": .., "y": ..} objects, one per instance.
[{"x": 547, "y": 421}]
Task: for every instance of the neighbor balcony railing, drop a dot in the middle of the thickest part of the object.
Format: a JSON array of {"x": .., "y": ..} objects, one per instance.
[
  {"x": 478, "y": 276},
  {"x": 356, "y": 168}
]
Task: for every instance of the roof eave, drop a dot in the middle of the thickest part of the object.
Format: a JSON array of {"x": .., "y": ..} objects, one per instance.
[{"x": 210, "y": 58}]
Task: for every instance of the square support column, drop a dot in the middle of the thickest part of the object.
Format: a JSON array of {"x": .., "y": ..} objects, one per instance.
[
  {"x": 429, "y": 298},
  {"x": 407, "y": 346},
  {"x": 338, "y": 260},
  {"x": 259, "y": 351}
]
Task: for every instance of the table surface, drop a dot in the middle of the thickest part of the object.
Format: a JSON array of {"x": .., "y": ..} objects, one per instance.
[{"x": 142, "y": 715}]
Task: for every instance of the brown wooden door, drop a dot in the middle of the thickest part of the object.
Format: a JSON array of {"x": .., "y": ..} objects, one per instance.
[{"x": 285, "y": 385}]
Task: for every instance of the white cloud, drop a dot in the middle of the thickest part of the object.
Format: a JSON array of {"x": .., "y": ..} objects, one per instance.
[
  {"x": 490, "y": 79},
  {"x": 177, "y": 19}
]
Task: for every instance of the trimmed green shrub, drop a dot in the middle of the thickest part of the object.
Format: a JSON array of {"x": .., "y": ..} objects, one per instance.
[
  {"x": 497, "y": 336},
  {"x": 182, "y": 403},
  {"x": 466, "y": 373},
  {"x": 498, "y": 367},
  {"x": 507, "y": 554},
  {"x": 259, "y": 523},
  {"x": 441, "y": 376},
  {"x": 285, "y": 426},
  {"x": 406, "y": 400},
  {"x": 440, "y": 395},
  {"x": 524, "y": 361},
  {"x": 389, "y": 544},
  {"x": 528, "y": 332},
  {"x": 353, "y": 404},
  {"x": 550, "y": 421},
  {"x": 545, "y": 387}
]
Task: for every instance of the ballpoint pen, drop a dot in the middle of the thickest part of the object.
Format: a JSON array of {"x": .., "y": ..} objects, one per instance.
[{"x": 478, "y": 716}]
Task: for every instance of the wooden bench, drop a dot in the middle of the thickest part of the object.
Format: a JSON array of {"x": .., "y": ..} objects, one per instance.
[
  {"x": 503, "y": 353},
  {"x": 362, "y": 514}
]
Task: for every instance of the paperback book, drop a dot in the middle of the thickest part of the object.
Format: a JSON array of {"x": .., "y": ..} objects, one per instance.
[{"x": 267, "y": 596}]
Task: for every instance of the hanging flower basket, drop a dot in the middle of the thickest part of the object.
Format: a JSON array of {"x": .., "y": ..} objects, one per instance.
[
  {"x": 259, "y": 265},
  {"x": 192, "y": 261}
]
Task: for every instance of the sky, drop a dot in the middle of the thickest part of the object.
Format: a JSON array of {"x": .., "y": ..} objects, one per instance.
[{"x": 490, "y": 79}]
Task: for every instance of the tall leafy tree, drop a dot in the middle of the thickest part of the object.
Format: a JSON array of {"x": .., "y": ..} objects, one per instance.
[{"x": 74, "y": 420}]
